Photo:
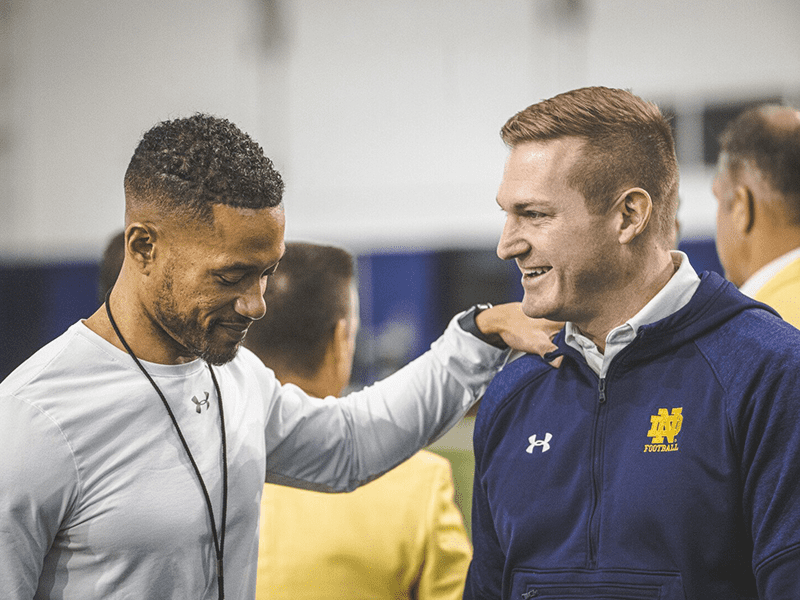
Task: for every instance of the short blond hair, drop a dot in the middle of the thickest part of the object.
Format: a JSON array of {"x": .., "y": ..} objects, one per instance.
[{"x": 628, "y": 143}]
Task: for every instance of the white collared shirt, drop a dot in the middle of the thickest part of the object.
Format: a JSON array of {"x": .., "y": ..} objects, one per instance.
[
  {"x": 760, "y": 278},
  {"x": 670, "y": 299}
]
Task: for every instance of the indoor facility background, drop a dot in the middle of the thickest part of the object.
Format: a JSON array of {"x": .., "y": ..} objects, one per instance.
[{"x": 382, "y": 116}]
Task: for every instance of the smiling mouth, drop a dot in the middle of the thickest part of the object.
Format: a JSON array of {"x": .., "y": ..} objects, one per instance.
[
  {"x": 534, "y": 272},
  {"x": 235, "y": 327}
]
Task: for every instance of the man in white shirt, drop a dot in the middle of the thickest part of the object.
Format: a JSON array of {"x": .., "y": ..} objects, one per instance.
[
  {"x": 758, "y": 215},
  {"x": 136, "y": 445}
]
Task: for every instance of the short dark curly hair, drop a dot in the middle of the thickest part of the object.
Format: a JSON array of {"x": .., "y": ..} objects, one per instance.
[
  {"x": 628, "y": 143},
  {"x": 185, "y": 166},
  {"x": 773, "y": 149}
]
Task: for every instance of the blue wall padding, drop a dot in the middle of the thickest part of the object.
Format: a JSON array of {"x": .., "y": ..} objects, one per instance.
[
  {"x": 421, "y": 289},
  {"x": 38, "y": 303}
]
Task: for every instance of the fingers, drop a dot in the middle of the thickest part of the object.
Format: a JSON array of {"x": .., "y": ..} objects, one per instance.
[{"x": 519, "y": 331}]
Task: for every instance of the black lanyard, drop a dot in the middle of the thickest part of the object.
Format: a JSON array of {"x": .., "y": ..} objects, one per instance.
[{"x": 219, "y": 540}]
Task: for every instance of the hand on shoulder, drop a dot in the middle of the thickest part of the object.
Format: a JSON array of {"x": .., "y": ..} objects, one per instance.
[{"x": 518, "y": 330}]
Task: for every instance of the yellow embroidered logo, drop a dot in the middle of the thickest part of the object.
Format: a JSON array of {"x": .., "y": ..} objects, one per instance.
[{"x": 664, "y": 425}]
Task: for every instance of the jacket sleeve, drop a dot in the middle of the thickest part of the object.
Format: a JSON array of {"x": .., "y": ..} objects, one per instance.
[
  {"x": 485, "y": 576},
  {"x": 38, "y": 486},
  {"x": 779, "y": 576},
  {"x": 767, "y": 431},
  {"x": 447, "y": 549},
  {"x": 339, "y": 444}
]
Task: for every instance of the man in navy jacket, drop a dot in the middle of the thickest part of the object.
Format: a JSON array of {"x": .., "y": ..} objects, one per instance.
[{"x": 662, "y": 459}]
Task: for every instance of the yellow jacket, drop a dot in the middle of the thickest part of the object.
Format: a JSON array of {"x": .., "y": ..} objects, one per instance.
[
  {"x": 782, "y": 293},
  {"x": 400, "y": 536}
]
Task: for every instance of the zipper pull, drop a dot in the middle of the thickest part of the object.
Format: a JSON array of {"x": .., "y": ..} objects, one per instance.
[
  {"x": 530, "y": 594},
  {"x": 602, "y": 390}
]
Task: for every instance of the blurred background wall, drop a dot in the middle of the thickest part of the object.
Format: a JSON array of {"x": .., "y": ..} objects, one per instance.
[{"x": 383, "y": 117}]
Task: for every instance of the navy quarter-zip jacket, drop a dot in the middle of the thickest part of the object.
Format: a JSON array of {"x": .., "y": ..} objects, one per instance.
[{"x": 676, "y": 476}]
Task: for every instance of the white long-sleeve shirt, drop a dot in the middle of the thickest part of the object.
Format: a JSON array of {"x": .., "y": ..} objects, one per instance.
[{"x": 98, "y": 499}]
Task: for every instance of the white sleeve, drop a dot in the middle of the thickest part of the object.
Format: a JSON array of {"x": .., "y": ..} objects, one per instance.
[
  {"x": 38, "y": 485},
  {"x": 339, "y": 444}
]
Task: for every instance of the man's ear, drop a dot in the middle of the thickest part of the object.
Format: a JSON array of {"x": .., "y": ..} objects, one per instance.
[
  {"x": 743, "y": 209},
  {"x": 339, "y": 355},
  {"x": 140, "y": 244},
  {"x": 340, "y": 341},
  {"x": 635, "y": 208}
]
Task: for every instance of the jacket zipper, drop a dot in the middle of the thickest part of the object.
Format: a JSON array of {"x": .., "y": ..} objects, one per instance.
[
  {"x": 597, "y": 453},
  {"x": 597, "y": 447}
]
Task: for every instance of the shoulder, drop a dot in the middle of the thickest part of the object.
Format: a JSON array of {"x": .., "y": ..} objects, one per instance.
[
  {"x": 36, "y": 367},
  {"x": 46, "y": 402},
  {"x": 517, "y": 374},
  {"x": 750, "y": 338},
  {"x": 68, "y": 365},
  {"x": 423, "y": 476},
  {"x": 423, "y": 467},
  {"x": 427, "y": 461},
  {"x": 729, "y": 328},
  {"x": 755, "y": 358},
  {"x": 785, "y": 281},
  {"x": 512, "y": 380},
  {"x": 783, "y": 293}
]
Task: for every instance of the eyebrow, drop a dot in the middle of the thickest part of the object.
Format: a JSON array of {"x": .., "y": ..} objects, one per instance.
[
  {"x": 243, "y": 266},
  {"x": 522, "y": 205}
]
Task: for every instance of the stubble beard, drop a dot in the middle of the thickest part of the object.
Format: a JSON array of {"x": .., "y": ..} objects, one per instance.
[{"x": 187, "y": 331}]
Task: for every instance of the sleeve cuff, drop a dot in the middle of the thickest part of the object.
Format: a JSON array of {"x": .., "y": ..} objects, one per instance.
[{"x": 467, "y": 322}]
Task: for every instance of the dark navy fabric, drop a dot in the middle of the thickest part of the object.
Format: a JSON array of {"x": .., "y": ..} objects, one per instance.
[{"x": 677, "y": 476}]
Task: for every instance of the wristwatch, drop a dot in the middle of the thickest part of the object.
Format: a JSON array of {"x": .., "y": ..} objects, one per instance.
[{"x": 468, "y": 324}]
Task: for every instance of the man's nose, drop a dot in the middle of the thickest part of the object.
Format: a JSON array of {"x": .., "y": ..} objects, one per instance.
[
  {"x": 251, "y": 303},
  {"x": 511, "y": 243}
]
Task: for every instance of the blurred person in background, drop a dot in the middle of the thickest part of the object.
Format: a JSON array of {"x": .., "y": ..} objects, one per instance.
[
  {"x": 662, "y": 458},
  {"x": 758, "y": 214},
  {"x": 136, "y": 445},
  {"x": 400, "y": 536}
]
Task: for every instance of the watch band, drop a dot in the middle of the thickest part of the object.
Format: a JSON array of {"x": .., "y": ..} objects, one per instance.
[{"x": 468, "y": 324}]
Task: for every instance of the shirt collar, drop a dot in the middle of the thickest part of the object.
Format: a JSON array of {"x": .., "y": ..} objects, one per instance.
[
  {"x": 670, "y": 299},
  {"x": 760, "y": 278}
]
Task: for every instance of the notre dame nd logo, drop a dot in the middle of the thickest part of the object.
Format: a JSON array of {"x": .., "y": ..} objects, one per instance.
[{"x": 664, "y": 425}]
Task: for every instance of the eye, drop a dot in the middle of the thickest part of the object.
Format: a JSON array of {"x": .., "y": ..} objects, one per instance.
[
  {"x": 269, "y": 272},
  {"x": 532, "y": 214},
  {"x": 228, "y": 280}
]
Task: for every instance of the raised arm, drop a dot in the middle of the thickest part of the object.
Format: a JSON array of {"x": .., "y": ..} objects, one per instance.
[{"x": 337, "y": 445}]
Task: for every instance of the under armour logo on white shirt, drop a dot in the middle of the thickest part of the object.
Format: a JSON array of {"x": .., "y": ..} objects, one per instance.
[
  {"x": 545, "y": 443},
  {"x": 200, "y": 403}
]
